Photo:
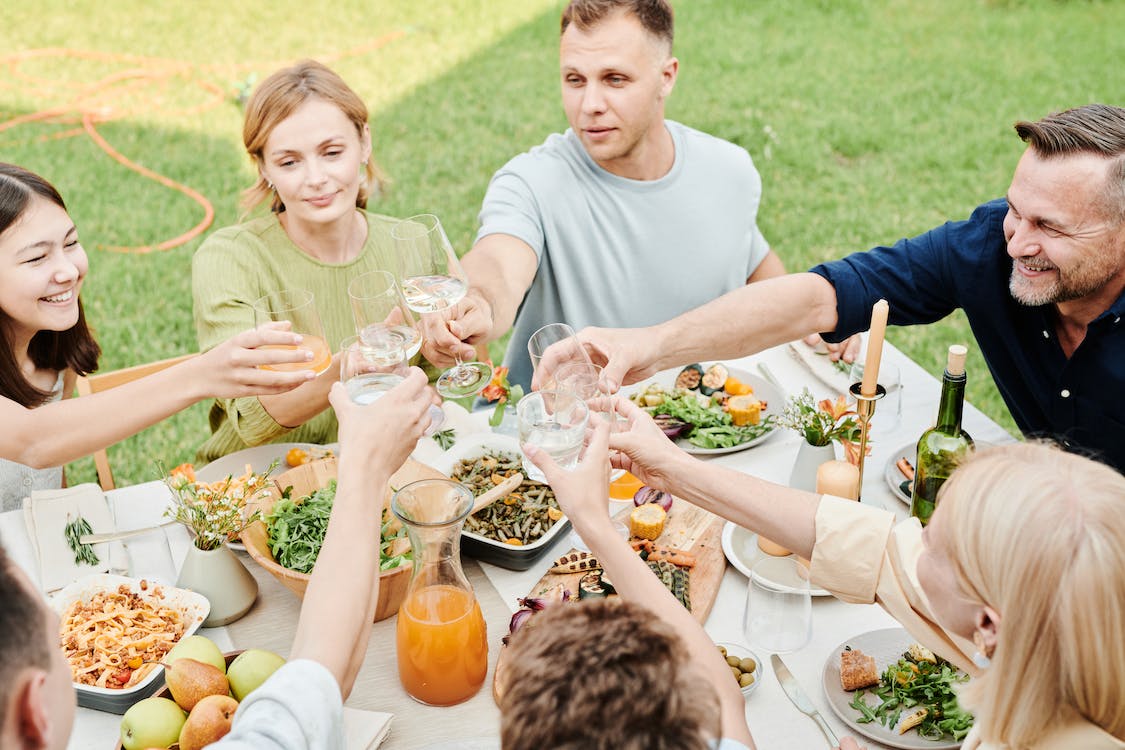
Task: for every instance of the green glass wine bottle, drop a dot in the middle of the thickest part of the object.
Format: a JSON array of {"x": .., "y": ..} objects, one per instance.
[{"x": 942, "y": 446}]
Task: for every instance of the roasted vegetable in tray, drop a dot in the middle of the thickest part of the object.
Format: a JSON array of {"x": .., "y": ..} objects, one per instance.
[{"x": 519, "y": 519}]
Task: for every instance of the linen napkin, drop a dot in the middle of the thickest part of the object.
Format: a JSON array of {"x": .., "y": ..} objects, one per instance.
[
  {"x": 46, "y": 514},
  {"x": 365, "y": 730},
  {"x": 822, "y": 368},
  {"x": 461, "y": 421}
]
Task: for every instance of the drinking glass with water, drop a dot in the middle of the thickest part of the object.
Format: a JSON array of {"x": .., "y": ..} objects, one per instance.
[
  {"x": 554, "y": 422},
  {"x": 374, "y": 364}
]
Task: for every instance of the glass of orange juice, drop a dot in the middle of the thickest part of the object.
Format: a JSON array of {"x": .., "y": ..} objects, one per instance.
[
  {"x": 298, "y": 307},
  {"x": 442, "y": 643}
]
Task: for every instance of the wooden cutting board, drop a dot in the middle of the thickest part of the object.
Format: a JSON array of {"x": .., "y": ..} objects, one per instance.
[{"x": 688, "y": 528}]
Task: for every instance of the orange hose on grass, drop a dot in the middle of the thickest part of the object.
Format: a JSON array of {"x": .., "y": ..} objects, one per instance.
[
  {"x": 89, "y": 105},
  {"x": 208, "y": 209}
]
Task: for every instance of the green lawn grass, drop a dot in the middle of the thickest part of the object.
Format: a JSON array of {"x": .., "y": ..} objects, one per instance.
[{"x": 869, "y": 121}]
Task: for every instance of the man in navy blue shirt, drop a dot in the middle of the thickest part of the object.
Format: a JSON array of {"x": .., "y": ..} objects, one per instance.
[{"x": 1040, "y": 275}]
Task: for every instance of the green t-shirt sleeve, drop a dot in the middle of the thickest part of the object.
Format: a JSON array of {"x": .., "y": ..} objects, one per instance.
[{"x": 224, "y": 281}]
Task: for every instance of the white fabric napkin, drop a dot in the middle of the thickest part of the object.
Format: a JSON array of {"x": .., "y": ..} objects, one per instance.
[
  {"x": 365, "y": 730},
  {"x": 461, "y": 421},
  {"x": 818, "y": 363},
  {"x": 46, "y": 514}
]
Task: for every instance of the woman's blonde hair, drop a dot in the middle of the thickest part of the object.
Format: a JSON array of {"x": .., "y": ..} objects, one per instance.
[
  {"x": 1038, "y": 534},
  {"x": 278, "y": 97}
]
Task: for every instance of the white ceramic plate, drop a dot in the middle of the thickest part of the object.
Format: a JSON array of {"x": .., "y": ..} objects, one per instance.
[
  {"x": 741, "y": 548},
  {"x": 887, "y": 646},
  {"x": 893, "y": 476},
  {"x": 259, "y": 458},
  {"x": 764, "y": 390},
  {"x": 194, "y": 606}
]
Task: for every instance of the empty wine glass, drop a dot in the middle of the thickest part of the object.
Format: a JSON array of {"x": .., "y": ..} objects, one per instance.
[
  {"x": 378, "y": 307},
  {"x": 298, "y": 307},
  {"x": 565, "y": 349},
  {"x": 369, "y": 367},
  {"x": 433, "y": 281}
]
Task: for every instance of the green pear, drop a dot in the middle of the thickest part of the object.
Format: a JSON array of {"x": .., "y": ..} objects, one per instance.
[
  {"x": 199, "y": 648},
  {"x": 152, "y": 722},
  {"x": 191, "y": 681},
  {"x": 250, "y": 669},
  {"x": 208, "y": 722}
]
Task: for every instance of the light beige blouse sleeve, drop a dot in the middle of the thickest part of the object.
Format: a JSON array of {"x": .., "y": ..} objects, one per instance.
[{"x": 862, "y": 556}]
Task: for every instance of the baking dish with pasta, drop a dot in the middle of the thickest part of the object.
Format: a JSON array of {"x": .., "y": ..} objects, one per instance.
[{"x": 114, "y": 630}]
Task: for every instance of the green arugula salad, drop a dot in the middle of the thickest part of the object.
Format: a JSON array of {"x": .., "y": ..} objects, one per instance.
[
  {"x": 296, "y": 530},
  {"x": 918, "y": 692}
]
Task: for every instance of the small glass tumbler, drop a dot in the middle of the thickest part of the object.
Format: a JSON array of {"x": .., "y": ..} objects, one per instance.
[
  {"x": 778, "y": 614},
  {"x": 554, "y": 422}
]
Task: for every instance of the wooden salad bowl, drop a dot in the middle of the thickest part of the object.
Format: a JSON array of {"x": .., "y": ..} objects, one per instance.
[{"x": 306, "y": 479}]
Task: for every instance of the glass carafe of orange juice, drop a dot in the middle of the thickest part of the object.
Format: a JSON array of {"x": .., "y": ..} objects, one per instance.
[{"x": 442, "y": 644}]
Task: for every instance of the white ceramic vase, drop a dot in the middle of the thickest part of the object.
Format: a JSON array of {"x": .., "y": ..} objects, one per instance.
[
  {"x": 509, "y": 425},
  {"x": 220, "y": 576},
  {"x": 809, "y": 459}
]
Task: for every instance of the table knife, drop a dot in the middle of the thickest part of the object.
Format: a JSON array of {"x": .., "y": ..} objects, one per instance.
[{"x": 800, "y": 700}]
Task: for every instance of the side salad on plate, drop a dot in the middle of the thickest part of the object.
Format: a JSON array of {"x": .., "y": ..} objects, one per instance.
[
  {"x": 917, "y": 692},
  {"x": 710, "y": 409}
]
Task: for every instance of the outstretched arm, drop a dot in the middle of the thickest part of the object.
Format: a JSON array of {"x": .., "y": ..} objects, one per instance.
[
  {"x": 581, "y": 494},
  {"x": 63, "y": 431},
  {"x": 339, "y": 605},
  {"x": 500, "y": 268},
  {"x": 747, "y": 320}
]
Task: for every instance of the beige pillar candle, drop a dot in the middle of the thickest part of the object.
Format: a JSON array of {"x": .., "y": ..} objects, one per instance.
[
  {"x": 875, "y": 338},
  {"x": 838, "y": 478}
]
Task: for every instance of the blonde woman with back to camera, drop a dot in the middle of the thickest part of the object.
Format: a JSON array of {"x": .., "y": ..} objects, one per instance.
[{"x": 1019, "y": 578}]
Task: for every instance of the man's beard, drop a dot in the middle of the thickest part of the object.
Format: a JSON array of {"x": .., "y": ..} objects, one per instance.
[{"x": 1080, "y": 282}]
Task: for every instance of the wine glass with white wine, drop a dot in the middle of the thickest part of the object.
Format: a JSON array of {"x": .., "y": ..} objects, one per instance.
[{"x": 432, "y": 281}]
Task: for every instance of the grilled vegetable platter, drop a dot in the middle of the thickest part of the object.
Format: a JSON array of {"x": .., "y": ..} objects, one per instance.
[{"x": 711, "y": 408}]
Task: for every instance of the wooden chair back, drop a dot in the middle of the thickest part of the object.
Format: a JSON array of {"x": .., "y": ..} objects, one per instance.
[{"x": 103, "y": 381}]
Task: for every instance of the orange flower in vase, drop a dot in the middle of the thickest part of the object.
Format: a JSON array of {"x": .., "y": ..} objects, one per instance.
[{"x": 503, "y": 393}]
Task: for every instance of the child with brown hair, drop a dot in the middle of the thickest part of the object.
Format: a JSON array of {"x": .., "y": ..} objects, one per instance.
[{"x": 638, "y": 673}]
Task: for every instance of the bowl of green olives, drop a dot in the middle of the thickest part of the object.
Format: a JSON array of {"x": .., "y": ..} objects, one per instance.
[{"x": 745, "y": 667}]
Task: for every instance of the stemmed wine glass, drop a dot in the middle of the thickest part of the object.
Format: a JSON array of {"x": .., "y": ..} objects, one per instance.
[
  {"x": 379, "y": 309},
  {"x": 432, "y": 281},
  {"x": 372, "y": 365},
  {"x": 565, "y": 348}
]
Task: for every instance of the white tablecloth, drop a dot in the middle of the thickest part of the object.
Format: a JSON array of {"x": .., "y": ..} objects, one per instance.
[{"x": 775, "y": 722}]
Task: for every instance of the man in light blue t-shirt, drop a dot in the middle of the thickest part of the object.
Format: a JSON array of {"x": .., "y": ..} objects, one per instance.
[{"x": 626, "y": 219}]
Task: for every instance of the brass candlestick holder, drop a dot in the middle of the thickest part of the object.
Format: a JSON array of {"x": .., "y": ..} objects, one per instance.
[{"x": 865, "y": 407}]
